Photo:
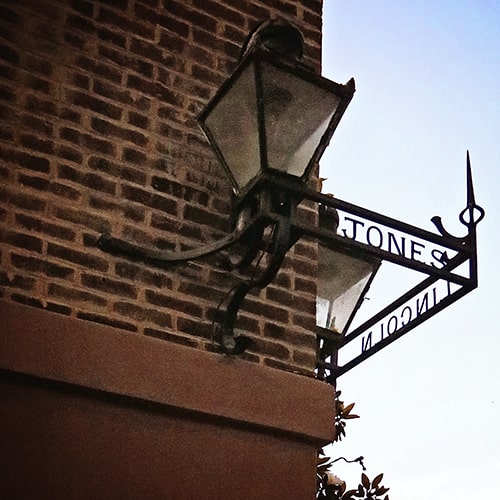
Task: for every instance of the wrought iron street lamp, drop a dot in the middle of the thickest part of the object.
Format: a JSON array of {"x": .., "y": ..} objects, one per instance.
[{"x": 269, "y": 124}]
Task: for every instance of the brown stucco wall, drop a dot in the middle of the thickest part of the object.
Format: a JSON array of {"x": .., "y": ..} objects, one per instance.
[
  {"x": 61, "y": 444},
  {"x": 84, "y": 414}
]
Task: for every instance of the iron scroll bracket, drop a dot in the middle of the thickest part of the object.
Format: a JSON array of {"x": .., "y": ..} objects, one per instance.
[{"x": 264, "y": 208}]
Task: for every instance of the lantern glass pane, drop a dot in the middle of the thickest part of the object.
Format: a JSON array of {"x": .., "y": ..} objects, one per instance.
[
  {"x": 234, "y": 128},
  {"x": 342, "y": 280},
  {"x": 297, "y": 113}
]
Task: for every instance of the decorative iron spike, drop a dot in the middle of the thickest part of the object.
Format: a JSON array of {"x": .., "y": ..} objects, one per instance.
[
  {"x": 472, "y": 209},
  {"x": 470, "y": 187}
]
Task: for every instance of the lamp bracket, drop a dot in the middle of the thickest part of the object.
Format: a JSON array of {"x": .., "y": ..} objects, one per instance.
[
  {"x": 282, "y": 240},
  {"x": 163, "y": 258},
  {"x": 264, "y": 207}
]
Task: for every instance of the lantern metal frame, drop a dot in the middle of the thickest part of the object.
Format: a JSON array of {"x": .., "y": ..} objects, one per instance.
[{"x": 255, "y": 59}]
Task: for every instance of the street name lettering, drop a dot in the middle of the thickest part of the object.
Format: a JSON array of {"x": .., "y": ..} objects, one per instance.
[
  {"x": 404, "y": 315},
  {"x": 395, "y": 243}
]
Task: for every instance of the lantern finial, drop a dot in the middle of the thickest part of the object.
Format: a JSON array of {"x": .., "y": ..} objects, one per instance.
[{"x": 276, "y": 35}]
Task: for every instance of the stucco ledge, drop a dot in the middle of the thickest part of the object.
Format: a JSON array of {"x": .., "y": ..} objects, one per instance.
[{"x": 58, "y": 348}]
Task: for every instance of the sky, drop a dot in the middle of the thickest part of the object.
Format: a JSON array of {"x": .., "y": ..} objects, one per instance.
[{"x": 427, "y": 89}]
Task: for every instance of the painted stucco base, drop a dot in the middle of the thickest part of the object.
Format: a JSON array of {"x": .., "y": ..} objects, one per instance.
[{"x": 88, "y": 411}]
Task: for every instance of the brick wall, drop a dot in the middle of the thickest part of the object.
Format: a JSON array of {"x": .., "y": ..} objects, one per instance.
[{"x": 98, "y": 134}]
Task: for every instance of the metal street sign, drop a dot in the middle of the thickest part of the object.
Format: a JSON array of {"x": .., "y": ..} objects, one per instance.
[{"x": 449, "y": 264}]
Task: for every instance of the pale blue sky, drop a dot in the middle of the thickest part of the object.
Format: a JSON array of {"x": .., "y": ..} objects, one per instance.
[{"x": 428, "y": 81}]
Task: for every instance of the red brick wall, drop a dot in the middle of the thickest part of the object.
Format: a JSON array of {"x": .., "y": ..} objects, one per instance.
[{"x": 98, "y": 101}]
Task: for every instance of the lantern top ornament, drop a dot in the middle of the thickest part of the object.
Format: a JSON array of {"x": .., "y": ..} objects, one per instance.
[{"x": 276, "y": 35}]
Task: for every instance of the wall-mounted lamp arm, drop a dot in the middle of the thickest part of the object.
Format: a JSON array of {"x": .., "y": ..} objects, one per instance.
[
  {"x": 250, "y": 233},
  {"x": 117, "y": 246}
]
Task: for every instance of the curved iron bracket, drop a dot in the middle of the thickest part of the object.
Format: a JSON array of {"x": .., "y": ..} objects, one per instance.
[
  {"x": 268, "y": 224},
  {"x": 231, "y": 344},
  {"x": 250, "y": 232},
  {"x": 118, "y": 246},
  {"x": 283, "y": 239}
]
